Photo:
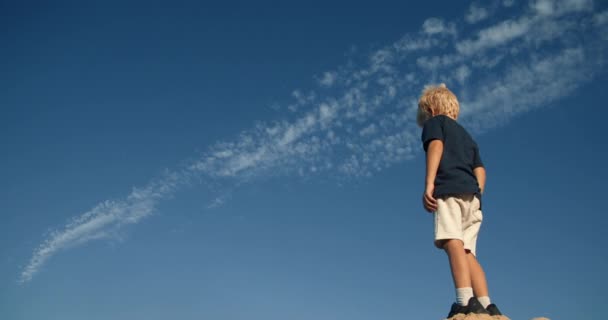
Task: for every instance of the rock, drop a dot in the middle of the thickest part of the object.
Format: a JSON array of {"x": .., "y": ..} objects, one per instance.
[
  {"x": 461, "y": 316},
  {"x": 483, "y": 317}
]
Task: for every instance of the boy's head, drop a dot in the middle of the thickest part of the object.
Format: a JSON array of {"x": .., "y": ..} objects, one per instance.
[{"x": 436, "y": 100}]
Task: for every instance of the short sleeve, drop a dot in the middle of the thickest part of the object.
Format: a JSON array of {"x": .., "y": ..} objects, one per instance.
[
  {"x": 432, "y": 130},
  {"x": 476, "y": 158}
]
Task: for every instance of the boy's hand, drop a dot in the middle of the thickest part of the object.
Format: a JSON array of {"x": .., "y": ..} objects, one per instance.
[
  {"x": 429, "y": 202},
  {"x": 480, "y": 174}
]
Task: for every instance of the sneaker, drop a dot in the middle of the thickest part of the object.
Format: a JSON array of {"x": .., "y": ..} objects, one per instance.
[
  {"x": 474, "y": 306},
  {"x": 456, "y": 309},
  {"x": 493, "y": 310}
]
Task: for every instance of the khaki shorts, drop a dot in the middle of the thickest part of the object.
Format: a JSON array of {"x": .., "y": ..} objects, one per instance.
[{"x": 458, "y": 217}]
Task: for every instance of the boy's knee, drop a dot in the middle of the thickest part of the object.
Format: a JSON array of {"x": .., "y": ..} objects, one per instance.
[{"x": 450, "y": 244}]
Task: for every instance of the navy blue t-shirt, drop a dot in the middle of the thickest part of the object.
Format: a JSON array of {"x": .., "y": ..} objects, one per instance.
[{"x": 460, "y": 156}]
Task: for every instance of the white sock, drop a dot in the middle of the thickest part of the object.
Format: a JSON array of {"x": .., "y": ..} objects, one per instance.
[
  {"x": 485, "y": 301},
  {"x": 463, "y": 295}
]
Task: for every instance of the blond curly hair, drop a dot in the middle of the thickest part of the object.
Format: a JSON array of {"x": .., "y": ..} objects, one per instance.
[{"x": 436, "y": 100}]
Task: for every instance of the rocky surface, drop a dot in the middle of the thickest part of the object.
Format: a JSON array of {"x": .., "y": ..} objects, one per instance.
[
  {"x": 484, "y": 317},
  {"x": 461, "y": 316}
]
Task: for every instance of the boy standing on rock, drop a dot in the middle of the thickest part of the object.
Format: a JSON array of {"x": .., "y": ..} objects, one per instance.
[{"x": 455, "y": 180}]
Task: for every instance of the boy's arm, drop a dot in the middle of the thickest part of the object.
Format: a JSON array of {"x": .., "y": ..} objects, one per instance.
[
  {"x": 433, "y": 157},
  {"x": 480, "y": 174}
]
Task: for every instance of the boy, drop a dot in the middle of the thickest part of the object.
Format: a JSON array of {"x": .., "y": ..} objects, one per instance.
[{"x": 455, "y": 180}]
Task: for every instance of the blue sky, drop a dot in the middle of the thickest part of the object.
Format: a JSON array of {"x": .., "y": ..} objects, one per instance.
[{"x": 201, "y": 160}]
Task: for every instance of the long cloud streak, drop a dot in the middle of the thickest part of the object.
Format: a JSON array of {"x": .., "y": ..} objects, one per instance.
[{"x": 361, "y": 119}]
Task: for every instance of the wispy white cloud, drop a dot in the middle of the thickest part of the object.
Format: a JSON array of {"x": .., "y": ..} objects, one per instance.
[
  {"x": 494, "y": 36},
  {"x": 328, "y": 79},
  {"x": 433, "y": 26},
  {"x": 361, "y": 119},
  {"x": 476, "y": 13},
  {"x": 544, "y": 21},
  {"x": 104, "y": 220},
  {"x": 369, "y": 130},
  {"x": 437, "y": 62},
  {"x": 462, "y": 73},
  {"x": 412, "y": 43},
  {"x": 601, "y": 18},
  {"x": 543, "y": 7},
  {"x": 560, "y": 7},
  {"x": 527, "y": 86}
]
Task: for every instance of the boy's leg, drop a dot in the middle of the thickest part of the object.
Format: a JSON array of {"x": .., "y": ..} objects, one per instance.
[
  {"x": 459, "y": 263},
  {"x": 477, "y": 276}
]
